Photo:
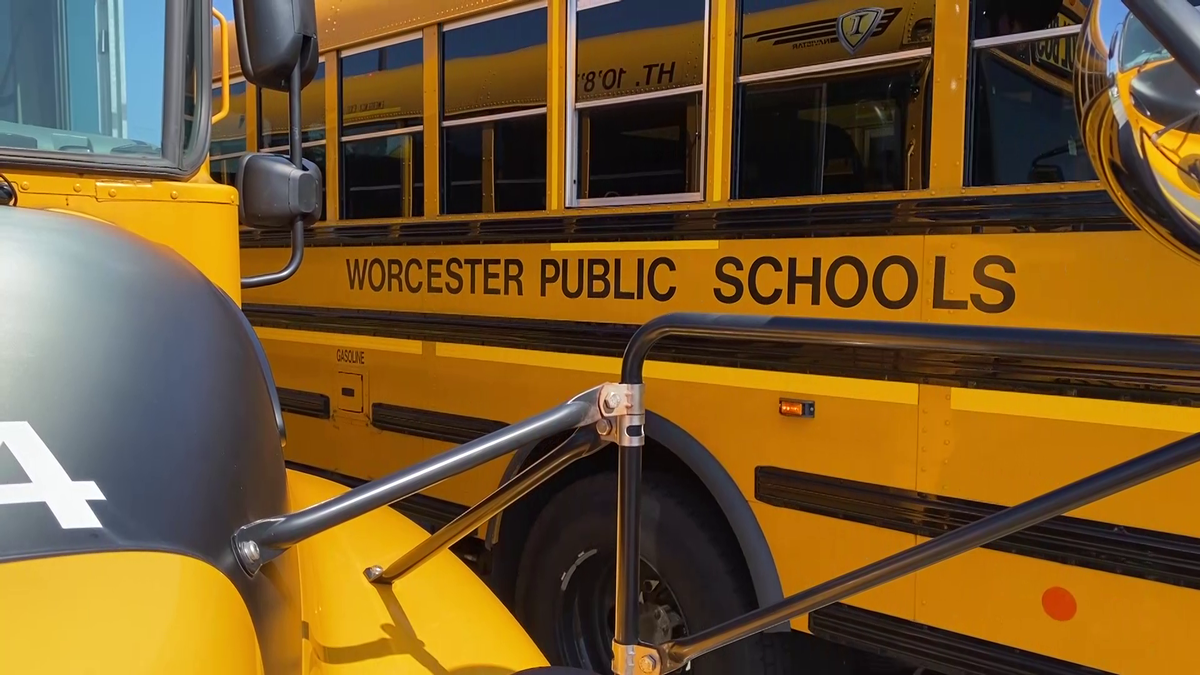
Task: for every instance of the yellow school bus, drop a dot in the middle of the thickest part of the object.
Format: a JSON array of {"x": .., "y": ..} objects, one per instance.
[{"x": 512, "y": 187}]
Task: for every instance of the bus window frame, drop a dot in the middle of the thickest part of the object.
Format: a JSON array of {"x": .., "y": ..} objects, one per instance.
[
  {"x": 572, "y": 199},
  {"x": 181, "y": 156},
  {"x": 443, "y": 181},
  {"x": 343, "y": 139}
]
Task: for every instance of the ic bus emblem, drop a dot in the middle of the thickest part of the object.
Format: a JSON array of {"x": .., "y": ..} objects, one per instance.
[{"x": 854, "y": 27}]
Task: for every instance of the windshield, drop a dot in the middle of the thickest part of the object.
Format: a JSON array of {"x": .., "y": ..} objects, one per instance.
[
  {"x": 1138, "y": 47},
  {"x": 83, "y": 76}
]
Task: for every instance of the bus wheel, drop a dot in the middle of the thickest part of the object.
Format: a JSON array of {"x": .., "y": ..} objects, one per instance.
[{"x": 691, "y": 577}]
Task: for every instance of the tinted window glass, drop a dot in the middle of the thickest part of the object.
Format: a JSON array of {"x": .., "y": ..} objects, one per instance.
[
  {"x": 382, "y": 89},
  {"x": 383, "y": 177},
  {"x": 496, "y": 66},
  {"x": 848, "y": 133},
  {"x": 638, "y": 46},
  {"x": 273, "y": 111},
  {"x": 641, "y": 148},
  {"x": 225, "y": 170},
  {"x": 83, "y": 77},
  {"x": 1008, "y": 17},
  {"x": 1023, "y": 127},
  {"x": 496, "y": 166},
  {"x": 229, "y": 135},
  {"x": 784, "y": 34}
]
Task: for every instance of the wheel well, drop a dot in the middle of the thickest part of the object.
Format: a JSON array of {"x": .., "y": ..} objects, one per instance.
[{"x": 513, "y": 529}]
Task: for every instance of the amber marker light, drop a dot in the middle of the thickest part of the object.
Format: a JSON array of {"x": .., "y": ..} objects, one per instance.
[{"x": 789, "y": 407}]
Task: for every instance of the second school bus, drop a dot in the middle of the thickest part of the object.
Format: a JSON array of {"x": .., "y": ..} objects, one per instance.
[{"x": 512, "y": 188}]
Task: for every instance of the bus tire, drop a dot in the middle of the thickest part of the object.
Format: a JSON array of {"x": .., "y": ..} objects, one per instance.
[{"x": 692, "y": 577}]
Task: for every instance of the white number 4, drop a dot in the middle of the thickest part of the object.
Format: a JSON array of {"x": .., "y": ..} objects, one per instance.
[{"x": 48, "y": 480}]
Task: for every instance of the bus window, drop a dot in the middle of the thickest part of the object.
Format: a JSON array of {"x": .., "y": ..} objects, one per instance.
[
  {"x": 229, "y": 135},
  {"x": 1022, "y": 126},
  {"x": 494, "y": 112},
  {"x": 382, "y": 143},
  {"x": 639, "y": 100},
  {"x": 832, "y": 102},
  {"x": 273, "y": 114},
  {"x": 273, "y": 122},
  {"x": 86, "y": 78}
]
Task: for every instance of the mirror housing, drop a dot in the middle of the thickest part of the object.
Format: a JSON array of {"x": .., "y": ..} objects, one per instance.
[
  {"x": 1138, "y": 110},
  {"x": 274, "y": 193},
  {"x": 272, "y": 37}
]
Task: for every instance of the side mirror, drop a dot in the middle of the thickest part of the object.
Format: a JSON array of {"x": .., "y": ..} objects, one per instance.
[
  {"x": 274, "y": 193},
  {"x": 277, "y": 45},
  {"x": 1137, "y": 76},
  {"x": 273, "y": 36}
]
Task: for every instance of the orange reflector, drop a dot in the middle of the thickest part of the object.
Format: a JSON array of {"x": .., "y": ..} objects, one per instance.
[
  {"x": 1059, "y": 604},
  {"x": 794, "y": 408}
]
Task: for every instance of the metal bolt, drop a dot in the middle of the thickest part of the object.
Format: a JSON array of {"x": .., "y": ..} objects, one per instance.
[
  {"x": 373, "y": 572},
  {"x": 603, "y": 427},
  {"x": 250, "y": 550},
  {"x": 648, "y": 664},
  {"x": 612, "y": 401}
]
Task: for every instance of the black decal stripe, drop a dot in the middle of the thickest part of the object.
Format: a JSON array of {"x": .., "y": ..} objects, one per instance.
[
  {"x": 438, "y": 426},
  {"x": 940, "y": 650},
  {"x": 1091, "y": 211},
  {"x": 331, "y": 476},
  {"x": 1145, "y": 554},
  {"x": 431, "y": 512},
  {"x": 304, "y": 403},
  {"x": 1045, "y": 376}
]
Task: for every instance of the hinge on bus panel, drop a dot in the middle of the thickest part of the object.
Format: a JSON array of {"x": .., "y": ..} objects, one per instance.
[
  {"x": 622, "y": 414},
  {"x": 635, "y": 660}
]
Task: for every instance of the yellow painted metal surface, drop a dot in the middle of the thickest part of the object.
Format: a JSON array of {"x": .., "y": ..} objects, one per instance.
[
  {"x": 222, "y": 72},
  {"x": 556, "y": 111},
  {"x": 1120, "y": 624},
  {"x": 722, "y": 57},
  {"x": 431, "y": 42},
  {"x": 521, "y": 281},
  {"x": 333, "y": 134},
  {"x": 198, "y": 220},
  {"x": 829, "y": 547},
  {"x": 125, "y": 613},
  {"x": 950, "y": 64},
  {"x": 439, "y": 620},
  {"x": 966, "y": 443}
]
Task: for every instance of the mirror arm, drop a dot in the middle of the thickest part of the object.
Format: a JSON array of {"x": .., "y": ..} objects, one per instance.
[
  {"x": 1176, "y": 25},
  {"x": 271, "y": 278},
  {"x": 296, "y": 152}
]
